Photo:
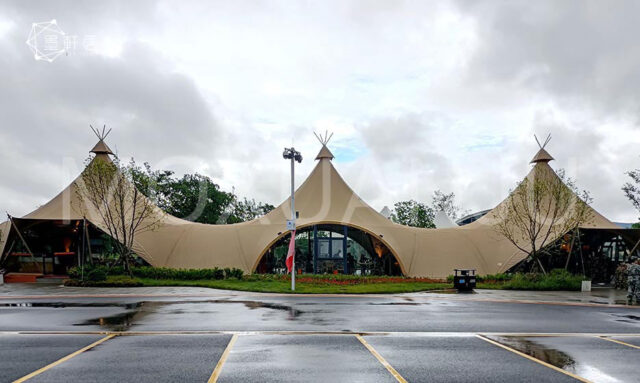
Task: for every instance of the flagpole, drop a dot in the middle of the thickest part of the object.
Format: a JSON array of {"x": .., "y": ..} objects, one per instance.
[{"x": 293, "y": 238}]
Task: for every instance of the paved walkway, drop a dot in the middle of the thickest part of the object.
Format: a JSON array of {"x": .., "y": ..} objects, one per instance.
[{"x": 599, "y": 296}]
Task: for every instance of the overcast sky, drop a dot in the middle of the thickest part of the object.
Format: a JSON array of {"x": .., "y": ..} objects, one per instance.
[{"x": 420, "y": 95}]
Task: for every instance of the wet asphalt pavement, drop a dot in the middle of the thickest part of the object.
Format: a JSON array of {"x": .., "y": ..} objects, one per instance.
[{"x": 413, "y": 337}]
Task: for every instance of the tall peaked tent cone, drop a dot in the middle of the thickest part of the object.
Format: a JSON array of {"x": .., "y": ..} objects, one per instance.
[
  {"x": 541, "y": 156},
  {"x": 324, "y": 153},
  {"x": 101, "y": 148}
]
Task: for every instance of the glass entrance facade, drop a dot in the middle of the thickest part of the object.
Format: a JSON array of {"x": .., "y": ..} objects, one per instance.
[{"x": 332, "y": 249}]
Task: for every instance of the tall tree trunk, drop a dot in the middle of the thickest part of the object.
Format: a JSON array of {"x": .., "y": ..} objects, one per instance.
[{"x": 126, "y": 258}]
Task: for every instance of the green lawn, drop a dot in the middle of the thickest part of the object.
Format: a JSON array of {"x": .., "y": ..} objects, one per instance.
[
  {"x": 322, "y": 284},
  {"x": 303, "y": 288},
  {"x": 278, "y": 285}
]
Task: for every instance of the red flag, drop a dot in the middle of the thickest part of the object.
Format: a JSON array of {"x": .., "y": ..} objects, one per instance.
[{"x": 292, "y": 251}]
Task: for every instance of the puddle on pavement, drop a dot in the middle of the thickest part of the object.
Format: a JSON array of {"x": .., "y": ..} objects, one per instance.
[
  {"x": 293, "y": 313},
  {"x": 448, "y": 291},
  {"x": 627, "y": 318},
  {"x": 120, "y": 322},
  {"x": 580, "y": 364},
  {"x": 396, "y": 304},
  {"x": 538, "y": 351},
  {"x": 58, "y": 305},
  {"x": 124, "y": 321}
]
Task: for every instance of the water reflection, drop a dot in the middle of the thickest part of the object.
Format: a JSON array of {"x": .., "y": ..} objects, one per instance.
[
  {"x": 580, "y": 362},
  {"x": 538, "y": 351},
  {"x": 136, "y": 311}
]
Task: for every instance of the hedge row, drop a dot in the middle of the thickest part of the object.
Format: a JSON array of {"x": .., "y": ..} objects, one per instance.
[{"x": 100, "y": 273}]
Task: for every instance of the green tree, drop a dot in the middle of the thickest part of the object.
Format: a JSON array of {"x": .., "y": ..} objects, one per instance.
[
  {"x": 109, "y": 197},
  {"x": 412, "y": 213},
  {"x": 446, "y": 202},
  {"x": 541, "y": 209},
  {"x": 194, "y": 197},
  {"x": 154, "y": 184},
  {"x": 632, "y": 189},
  {"x": 247, "y": 210}
]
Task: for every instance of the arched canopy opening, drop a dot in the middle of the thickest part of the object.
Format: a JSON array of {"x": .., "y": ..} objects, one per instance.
[
  {"x": 595, "y": 253},
  {"x": 53, "y": 247},
  {"x": 331, "y": 249}
]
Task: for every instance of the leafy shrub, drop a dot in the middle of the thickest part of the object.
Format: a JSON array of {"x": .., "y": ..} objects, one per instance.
[
  {"x": 97, "y": 274},
  {"x": 111, "y": 281},
  {"x": 182, "y": 274},
  {"x": 620, "y": 277},
  {"x": 557, "y": 279},
  {"x": 234, "y": 273},
  {"x": 75, "y": 273},
  {"x": 501, "y": 277},
  {"x": 120, "y": 281}
]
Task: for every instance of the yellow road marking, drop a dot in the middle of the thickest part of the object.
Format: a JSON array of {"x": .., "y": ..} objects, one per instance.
[
  {"x": 62, "y": 360},
  {"x": 382, "y": 361},
  {"x": 533, "y": 359},
  {"x": 223, "y": 358},
  {"x": 620, "y": 342}
]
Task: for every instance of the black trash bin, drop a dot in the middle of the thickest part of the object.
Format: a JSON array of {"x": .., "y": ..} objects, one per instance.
[{"x": 464, "y": 279}]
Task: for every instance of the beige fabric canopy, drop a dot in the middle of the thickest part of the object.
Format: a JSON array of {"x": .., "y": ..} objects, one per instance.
[{"x": 324, "y": 198}]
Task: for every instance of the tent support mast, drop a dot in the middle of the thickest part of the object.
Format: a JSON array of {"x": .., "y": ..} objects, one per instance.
[
  {"x": 6, "y": 253},
  {"x": 581, "y": 256},
  {"x": 635, "y": 247},
  {"x": 86, "y": 232},
  {"x": 573, "y": 239},
  {"x": 20, "y": 235}
]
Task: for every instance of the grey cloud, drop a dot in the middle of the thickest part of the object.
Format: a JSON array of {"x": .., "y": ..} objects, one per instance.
[
  {"x": 154, "y": 111},
  {"x": 406, "y": 159},
  {"x": 583, "y": 52}
]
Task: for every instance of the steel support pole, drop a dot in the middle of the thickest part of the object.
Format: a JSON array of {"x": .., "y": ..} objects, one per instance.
[
  {"x": 315, "y": 249},
  {"x": 293, "y": 218},
  {"x": 345, "y": 261}
]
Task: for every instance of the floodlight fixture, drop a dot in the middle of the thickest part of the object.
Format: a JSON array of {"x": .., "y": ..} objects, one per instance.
[{"x": 292, "y": 153}]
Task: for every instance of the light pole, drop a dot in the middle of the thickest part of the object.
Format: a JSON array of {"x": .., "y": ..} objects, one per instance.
[{"x": 293, "y": 155}]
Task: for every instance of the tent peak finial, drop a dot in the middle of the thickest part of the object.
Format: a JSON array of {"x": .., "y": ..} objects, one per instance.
[
  {"x": 101, "y": 147},
  {"x": 324, "y": 152},
  {"x": 546, "y": 141},
  {"x": 323, "y": 140},
  {"x": 542, "y": 155}
]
